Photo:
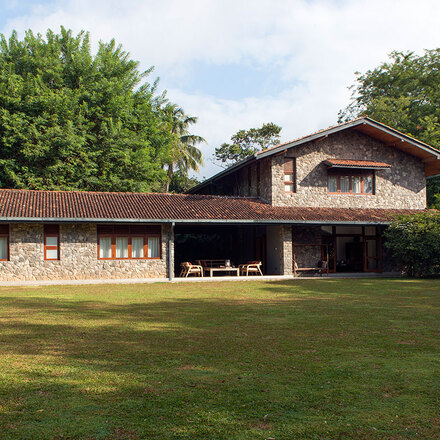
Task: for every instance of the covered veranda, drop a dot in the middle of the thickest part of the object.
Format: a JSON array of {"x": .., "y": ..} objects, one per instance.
[{"x": 236, "y": 243}]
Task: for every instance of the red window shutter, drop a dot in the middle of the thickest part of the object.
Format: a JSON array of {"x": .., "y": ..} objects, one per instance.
[{"x": 289, "y": 165}]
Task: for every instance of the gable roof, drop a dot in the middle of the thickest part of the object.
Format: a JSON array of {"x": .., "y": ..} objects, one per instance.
[
  {"x": 107, "y": 207},
  {"x": 368, "y": 126}
]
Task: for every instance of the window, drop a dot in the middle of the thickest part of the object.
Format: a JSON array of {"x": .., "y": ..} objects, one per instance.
[
  {"x": 121, "y": 247},
  {"x": 289, "y": 174},
  {"x": 332, "y": 184},
  {"x": 351, "y": 183},
  {"x": 51, "y": 242},
  {"x": 153, "y": 247},
  {"x": 137, "y": 247},
  {"x": 123, "y": 242},
  {"x": 368, "y": 184},
  {"x": 105, "y": 247},
  {"x": 356, "y": 184},
  {"x": 4, "y": 242}
]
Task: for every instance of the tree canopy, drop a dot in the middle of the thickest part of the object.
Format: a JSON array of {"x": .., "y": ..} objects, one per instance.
[
  {"x": 245, "y": 143},
  {"x": 405, "y": 94},
  {"x": 72, "y": 120},
  {"x": 183, "y": 156},
  {"x": 415, "y": 242}
]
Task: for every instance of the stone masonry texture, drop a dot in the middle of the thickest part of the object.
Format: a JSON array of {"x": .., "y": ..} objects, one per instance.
[
  {"x": 78, "y": 256},
  {"x": 401, "y": 187}
]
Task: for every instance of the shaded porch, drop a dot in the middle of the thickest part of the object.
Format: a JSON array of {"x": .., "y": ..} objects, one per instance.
[
  {"x": 344, "y": 248},
  {"x": 237, "y": 243}
]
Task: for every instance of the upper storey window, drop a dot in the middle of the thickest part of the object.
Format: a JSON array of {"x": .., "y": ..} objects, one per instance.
[
  {"x": 349, "y": 176},
  {"x": 289, "y": 174},
  {"x": 351, "y": 183}
]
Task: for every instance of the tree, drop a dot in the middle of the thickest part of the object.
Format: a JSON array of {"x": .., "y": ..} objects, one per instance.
[
  {"x": 245, "y": 143},
  {"x": 75, "y": 121},
  {"x": 415, "y": 242},
  {"x": 405, "y": 94},
  {"x": 181, "y": 183},
  {"x": 184, "y": 156}
]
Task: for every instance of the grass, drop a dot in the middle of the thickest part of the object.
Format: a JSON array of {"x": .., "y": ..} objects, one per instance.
[{"x": 310, "y": 359}]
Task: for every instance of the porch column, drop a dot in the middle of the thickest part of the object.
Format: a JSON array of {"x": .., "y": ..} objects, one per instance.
[
  {"x": 286, "y": 250},
  {"x": 170, "y": 252}
]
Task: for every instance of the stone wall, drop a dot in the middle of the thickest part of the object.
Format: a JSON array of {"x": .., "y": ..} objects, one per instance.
[
  {"x": 307, "y": 256},
  {"x": 78, "y": 256},
  {"x": 401, "y": 187},
  {"x": 286, "y": 264}
]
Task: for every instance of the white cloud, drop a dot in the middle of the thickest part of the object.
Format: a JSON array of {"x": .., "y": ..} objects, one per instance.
[{"x": 315, "y": 45}]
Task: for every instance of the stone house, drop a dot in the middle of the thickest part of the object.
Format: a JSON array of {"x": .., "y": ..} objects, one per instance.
[{"x": 325, "y": 197}]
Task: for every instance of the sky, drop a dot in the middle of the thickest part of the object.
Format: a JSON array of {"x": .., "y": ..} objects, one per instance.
[{"x": 238, "y": 64}]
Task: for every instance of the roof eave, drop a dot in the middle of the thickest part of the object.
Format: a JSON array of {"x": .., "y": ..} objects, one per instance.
[
  {"x": 351, "y": 124},
  {"x": 229, "y": 170},
  {"x": 198, "y": 221}
]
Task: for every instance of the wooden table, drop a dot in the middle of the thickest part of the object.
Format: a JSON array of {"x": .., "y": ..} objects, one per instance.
[{"x": 211, "y": 270}]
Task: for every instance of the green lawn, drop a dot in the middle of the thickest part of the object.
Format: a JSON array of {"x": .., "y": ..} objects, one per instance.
[{"x": 310, "y": 359}]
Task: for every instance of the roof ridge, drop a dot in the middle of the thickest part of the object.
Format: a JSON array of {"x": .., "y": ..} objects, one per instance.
[{"x": 316, "y": 132}]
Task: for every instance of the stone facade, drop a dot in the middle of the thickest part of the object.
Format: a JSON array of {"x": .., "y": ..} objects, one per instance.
[
  {"x": 78, "y": 256},
  {"x": 286, "y": 267},
  {"x": 307, "y": 256},
  {"x": 401, "y": 187}
]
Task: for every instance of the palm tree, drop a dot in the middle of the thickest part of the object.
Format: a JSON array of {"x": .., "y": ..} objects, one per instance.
[{"x": 184, "y": 155}]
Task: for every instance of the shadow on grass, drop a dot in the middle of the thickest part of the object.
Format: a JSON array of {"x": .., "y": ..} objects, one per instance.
[{"x": 277, "y": 360}]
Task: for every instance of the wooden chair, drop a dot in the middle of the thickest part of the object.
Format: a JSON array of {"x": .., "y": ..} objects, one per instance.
[
  {"x": 251, "y": 267},
  {"x": 321, "y": 267},
  {"x": 189, "y": 268}
]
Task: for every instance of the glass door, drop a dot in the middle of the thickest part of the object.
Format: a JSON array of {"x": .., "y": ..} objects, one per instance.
[{"x": 372, "y": 254}]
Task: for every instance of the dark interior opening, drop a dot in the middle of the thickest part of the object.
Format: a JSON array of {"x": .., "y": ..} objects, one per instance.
[{"x": 237, "y": 243}]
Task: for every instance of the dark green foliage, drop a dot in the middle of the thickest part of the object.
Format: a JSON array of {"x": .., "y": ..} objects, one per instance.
[
  {"x": 404, "y": 94},
  {"x": 415, "y": 242},
  {"x": 433, "y": 192},
  {"x": 245, "y": 143},
  {"x": 73, "y": 121},
  {"x": 183, "y": 156},
  {"x": 181, "y": 183}
]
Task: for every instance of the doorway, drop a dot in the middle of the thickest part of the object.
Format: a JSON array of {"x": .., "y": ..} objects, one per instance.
[{"x": 353, "y": 248}]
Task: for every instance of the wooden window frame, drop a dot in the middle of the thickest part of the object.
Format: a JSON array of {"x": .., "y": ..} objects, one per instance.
[
  {"x": 146, "y": 246},
  {"x": 6, "y": 235},
  {"x": 350, "y": 176},
  {"x": 112, "y": 246},
  {"x": 130, "y": 236},
  {"x": 52, "y": 248},
  {"x": 292, "y": 173}
]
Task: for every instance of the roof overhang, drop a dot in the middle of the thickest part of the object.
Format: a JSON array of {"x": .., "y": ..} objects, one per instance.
[
  {"x": 389, "y": 136},
  {"x": 236, "y": 166},
  {"x": 429, "y": 155},
  {"x": 356, "y": 164},
  {"x": 188, "y": 221}
]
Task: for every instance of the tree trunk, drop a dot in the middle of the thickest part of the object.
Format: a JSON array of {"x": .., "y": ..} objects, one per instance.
[{"x": 170, "y": 173}]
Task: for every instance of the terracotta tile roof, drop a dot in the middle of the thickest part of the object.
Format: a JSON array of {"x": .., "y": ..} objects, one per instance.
[
  {"x": 348, "y": 163},
  {"x": 83, "y": 206}
]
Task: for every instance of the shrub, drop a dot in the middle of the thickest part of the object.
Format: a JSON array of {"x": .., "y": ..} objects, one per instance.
[{"x": 414, "y": 240}]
